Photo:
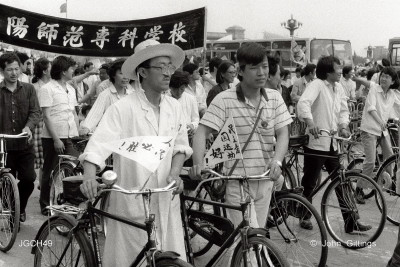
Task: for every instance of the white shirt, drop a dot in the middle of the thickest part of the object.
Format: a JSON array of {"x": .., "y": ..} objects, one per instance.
[
  {"x": 327, "y": 107},
  {"x": 384, "y": 104},
  {"x": 200, "y": 94},
  {"x": 103, "y": 101},
  {"x": 134, "y": 116},
  {"x": 103, "y": 86},
  {"x": 62, "y": 108},
  {"x": 207, "y": 85},
  {"x": 349, "y": 87},
  {"x": 190, "y": 110},
  {"x": 92, "y": 81},
  {"x": 375, "y": 77}
]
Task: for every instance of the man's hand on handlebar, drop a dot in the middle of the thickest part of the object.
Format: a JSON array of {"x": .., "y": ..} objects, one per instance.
[
  {"x": 195, "y": 172},
  {"x": 344, "y": 133},
  {"x": 178, "y": 183},
  {"x": 89, "y": 188},
  {"x": 275, "y": 170},
  {"x": 314, "y": 130}
]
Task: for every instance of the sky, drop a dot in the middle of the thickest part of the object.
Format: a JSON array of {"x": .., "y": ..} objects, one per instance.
[{"x": 363, "y": 22}]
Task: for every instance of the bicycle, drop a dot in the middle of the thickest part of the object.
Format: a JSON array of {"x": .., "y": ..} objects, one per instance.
[
  {"x": 9, "y": 198},
  {"x": 340, "y": 212},
  {"x": 253, "y": 245},
  {"x": 79, "y": 229},
  {"x": 300, "y": 246}
]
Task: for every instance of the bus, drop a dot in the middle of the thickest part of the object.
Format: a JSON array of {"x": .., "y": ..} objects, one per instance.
[
  {"x": 292, "y": 52},
  {"x": 394, "y": 52}
]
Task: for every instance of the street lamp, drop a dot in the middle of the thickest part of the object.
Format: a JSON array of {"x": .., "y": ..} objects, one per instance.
[{"x": 291, "y": 25}]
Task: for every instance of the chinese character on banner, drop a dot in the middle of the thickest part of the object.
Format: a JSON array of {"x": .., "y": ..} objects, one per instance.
[
  {"x": 177, "y": 32},
  {"x": 47, "y": 31},
  {"x": 74, "y": 37},
  {"x": 148, "y": 151},
  {"x": 153, "y": 33},
  {"x": 225, "y": 147},
  {"x": 17, "y": 24},
  {"x": 101, "y": 37},
  {"x": 126, "y": 36}
]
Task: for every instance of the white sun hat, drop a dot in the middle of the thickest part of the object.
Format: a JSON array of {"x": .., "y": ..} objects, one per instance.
[{"x": 150, "y": 49}]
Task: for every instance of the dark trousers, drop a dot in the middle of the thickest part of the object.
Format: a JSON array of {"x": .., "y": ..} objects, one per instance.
[
  {"x": 21, "y": 163},
  {"x": 395, "y": 260},
  {"x": 50, "y": 157},
  {"x": 312, "y": 170}
]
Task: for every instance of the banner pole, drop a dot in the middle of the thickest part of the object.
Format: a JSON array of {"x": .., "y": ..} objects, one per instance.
[{"x": 205, "y": 41}]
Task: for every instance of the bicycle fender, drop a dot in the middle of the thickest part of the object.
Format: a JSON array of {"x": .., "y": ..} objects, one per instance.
[
  {"x": 166, "y": 255},
  {"x": 257, "y": 232},
  {"x": 71, "y": 220},
  {"x": 353, "y": 171}
]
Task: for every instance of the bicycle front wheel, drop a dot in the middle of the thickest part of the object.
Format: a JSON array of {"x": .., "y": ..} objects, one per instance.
[
  {"x": 55, "y": 249},
  {"x": 290, "y": 179},
  {"x": 9, "y": 211},
  {"x": 261, "y": 252},
  {"x": 350, "y": 224},
  {"x": 386, "y": 179},
  {"x": 301, "y": 247}
]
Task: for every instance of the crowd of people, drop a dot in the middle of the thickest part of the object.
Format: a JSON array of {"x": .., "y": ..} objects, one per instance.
[{"x": 154, "y": 93}]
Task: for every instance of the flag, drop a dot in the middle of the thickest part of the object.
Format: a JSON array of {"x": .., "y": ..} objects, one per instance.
[
  {"x": 148, "y": 151},
  {"x": 225, "y": 147},
  {"x": 63, "y": 8}
]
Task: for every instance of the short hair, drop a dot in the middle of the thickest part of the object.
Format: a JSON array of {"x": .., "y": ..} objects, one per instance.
[
  {"x": 190, "y": 68},
  {"x": 284, "y": 73},
  {"x": 179, "y": 78},
  {"x": 61, "y": 64},
  {"x": 392, "y": 73},
  {"x": 308, "y": 69},
  {"x": 299, "y": 69},
  {"x": 385, "y": 62},
  {"x": 115, "y": 66},
  {"x": 105, "y": 67},
  {"x": 23, "y": 57},
  {"x": 325, "y": 65},
  {"x": 41, "y": 65},
  {"x": 214, "y": 63},
  {"x": 79, "y": 71},
  {"x": 346, "y": 70},
  {"x": 273, "y": 65},
  {"x": 87, "y": 65},
  {"x": 371, "y": 73},
  {"x": 8, "y": 58},
  {"x": 223, "y": 68},
  {"x": 250, "y": 53}
]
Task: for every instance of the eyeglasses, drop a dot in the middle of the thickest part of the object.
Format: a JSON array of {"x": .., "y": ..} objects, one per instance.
[{"x": 165, "y": 69}]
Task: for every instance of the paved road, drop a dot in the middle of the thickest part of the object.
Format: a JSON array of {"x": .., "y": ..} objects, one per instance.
[{"x": 376, "y": 256}]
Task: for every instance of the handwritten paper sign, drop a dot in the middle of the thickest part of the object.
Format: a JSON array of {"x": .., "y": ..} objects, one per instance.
[
  {"x": 298, "y": 53},
  {"x": 225, "y": 147},
  {"x": 148, "y": 151}
]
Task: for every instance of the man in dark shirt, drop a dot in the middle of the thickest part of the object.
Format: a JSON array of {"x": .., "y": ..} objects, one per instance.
[{"x": 19, "y": 112}]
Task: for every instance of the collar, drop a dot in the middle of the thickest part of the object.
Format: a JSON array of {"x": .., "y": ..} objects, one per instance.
[
  {"x": 304, "y": 80},
  {"x": 3, "y": 84},
  {"x": 242, "y": 98},
  {"x": 329, "y": 85}
]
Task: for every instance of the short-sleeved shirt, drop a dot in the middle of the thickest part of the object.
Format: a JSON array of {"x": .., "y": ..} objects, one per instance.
[
  {"x": 62, "y": 107},
  {"x": 260, "y": 149}
]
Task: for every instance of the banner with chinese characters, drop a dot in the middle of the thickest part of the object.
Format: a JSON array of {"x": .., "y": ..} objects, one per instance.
[
  {"x": 148, "y": 151},
  {"x": 225, "y": 147},
  {"x": 99, "y": 39}
]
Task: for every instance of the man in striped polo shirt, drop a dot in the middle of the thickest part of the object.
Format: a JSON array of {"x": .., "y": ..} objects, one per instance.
[{"x": 244, "y": 103}]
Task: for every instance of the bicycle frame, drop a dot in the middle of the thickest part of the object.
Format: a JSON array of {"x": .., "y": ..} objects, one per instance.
[
  {"x": 242, "y": 229},
  {"x": 88, "y": 217}
]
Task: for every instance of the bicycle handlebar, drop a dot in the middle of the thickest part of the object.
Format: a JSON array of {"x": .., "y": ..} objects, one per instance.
[
  {"x": 14, "y": 136},
  {"x": 332, "y": 135}
]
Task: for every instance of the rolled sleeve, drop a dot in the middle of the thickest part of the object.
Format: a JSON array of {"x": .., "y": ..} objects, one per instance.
[
  {"x": 44, "y": 96},
  {"x": 108, "y": 130},
  {"x": 306, "y": 100},
  {"x": 370, "y": 102}
]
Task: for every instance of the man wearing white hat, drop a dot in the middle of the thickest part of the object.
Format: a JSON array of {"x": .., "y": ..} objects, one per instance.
[{"x": 146, "y": 112}]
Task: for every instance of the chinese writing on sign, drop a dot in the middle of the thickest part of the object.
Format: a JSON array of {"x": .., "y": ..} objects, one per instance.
[
  {"x": 225, "y": 147},
  {"x": 47, "y": 31},
  {"x": 177, "y": 32},
  {"x": 148, "y": 151},
  {"x": 74, "y": 37},
  {"x": 154, "y": 33},
  {"x": 18, "y": 26},
  {"x": 128, "y": 36},
  {"x": 101, "y": 37}
]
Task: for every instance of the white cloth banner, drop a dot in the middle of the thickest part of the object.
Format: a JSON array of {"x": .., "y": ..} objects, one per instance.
[
  {"x": 148, "y": 151},
  {"x": 225, "y": 147}
]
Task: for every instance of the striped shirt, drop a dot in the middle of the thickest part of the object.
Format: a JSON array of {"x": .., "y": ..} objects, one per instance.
[
  {"x": 260, "y": 149},
  {"x": 105, "y": 99}
]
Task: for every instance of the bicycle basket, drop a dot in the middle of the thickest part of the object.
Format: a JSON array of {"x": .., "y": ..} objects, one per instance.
[
  {"x": 71, "y": 190},
  {"x": 298, "y": 141}
]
